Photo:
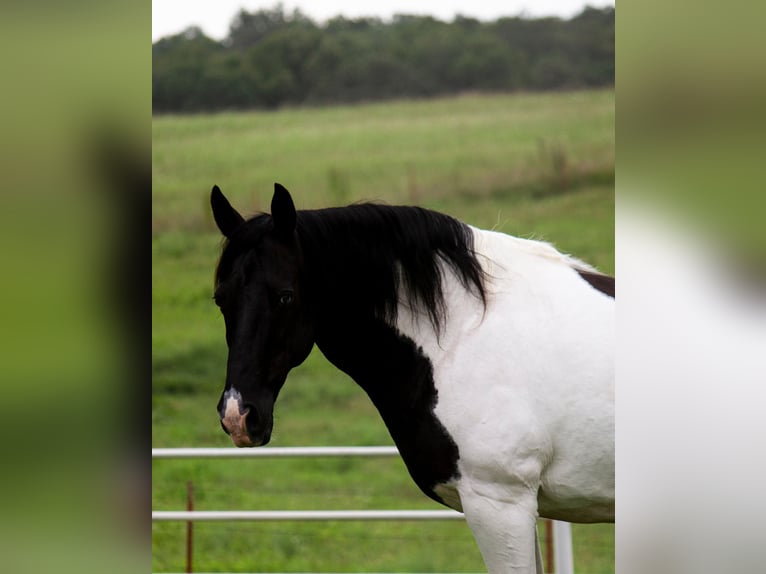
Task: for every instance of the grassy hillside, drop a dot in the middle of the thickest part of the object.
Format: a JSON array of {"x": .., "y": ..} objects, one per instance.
[{"x": 531, "y": 165}]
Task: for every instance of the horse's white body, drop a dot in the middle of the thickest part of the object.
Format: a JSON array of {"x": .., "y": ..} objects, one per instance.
[{"x": 526, "y": 391}]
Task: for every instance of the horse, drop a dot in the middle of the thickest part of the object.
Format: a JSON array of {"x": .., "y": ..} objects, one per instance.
[{"x": 489, "y": 357}]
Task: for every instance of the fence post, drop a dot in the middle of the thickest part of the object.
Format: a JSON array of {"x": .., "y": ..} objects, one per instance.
[
  {"x": 562, "y": 544},
  {"x": 189, "y": 526},
  {"x": 549, "y": 546}
]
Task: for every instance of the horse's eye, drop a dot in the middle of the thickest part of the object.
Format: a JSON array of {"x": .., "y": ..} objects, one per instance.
[{"x": 285, "y": 298}]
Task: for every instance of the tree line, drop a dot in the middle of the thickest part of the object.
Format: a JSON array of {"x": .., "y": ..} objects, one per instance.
[{"x": 272, "y": 58}]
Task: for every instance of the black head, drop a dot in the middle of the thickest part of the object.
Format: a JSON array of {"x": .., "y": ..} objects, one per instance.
[{"x": 260, "y": 290}]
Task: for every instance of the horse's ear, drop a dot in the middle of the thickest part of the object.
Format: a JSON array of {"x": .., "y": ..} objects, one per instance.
[
  {"x": 283, "y": 211},
  {"x": 226, "y": 217}
]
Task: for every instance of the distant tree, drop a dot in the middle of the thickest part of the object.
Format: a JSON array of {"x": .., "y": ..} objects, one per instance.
[
  {"x": 278, "y": 65},
  {"x": 226, "y": 83},
  {"x": 272, "y": 58},
  {"x": 178, "y": 64},
  {"x": 467, "y": 23},
  {"x": 342, "y": 24},
  {"x": 553, "y": 71},
  {"x": 249, "y": 28},
  {"x": 322, "y": 69},
  {"x": 484, "y": 63},
  {"x": 592, "y": 45}
]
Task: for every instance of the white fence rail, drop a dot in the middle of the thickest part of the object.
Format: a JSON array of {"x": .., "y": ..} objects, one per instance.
[{"x": 276, "y": 452}]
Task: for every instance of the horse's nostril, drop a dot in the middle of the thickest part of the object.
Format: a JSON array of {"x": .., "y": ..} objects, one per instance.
[
  {"x": 223, "y": 426},
  {"x": 251, "y": 419}
]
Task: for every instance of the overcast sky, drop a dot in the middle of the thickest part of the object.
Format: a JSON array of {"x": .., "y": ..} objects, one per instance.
[{"x": 172, "y": 16}]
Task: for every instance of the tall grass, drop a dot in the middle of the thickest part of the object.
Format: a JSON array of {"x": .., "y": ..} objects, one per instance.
[{"x": 404, "y": 152}]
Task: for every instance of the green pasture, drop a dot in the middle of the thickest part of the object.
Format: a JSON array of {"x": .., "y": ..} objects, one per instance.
[{"x": 533, "y": 165}]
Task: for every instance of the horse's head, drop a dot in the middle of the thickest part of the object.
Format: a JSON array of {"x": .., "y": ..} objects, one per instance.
[{"x": 260, "y": 291}]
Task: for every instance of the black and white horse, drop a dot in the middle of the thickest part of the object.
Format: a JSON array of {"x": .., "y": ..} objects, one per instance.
[{"x": 490, "y": 358}]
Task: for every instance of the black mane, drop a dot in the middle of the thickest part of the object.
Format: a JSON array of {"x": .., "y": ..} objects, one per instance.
[{"x": 363, "y": 256}]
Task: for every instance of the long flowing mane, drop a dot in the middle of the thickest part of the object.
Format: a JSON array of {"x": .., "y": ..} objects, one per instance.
[
  {"x": 366, "y": 256},
  {"x": 388, "y": 251}
]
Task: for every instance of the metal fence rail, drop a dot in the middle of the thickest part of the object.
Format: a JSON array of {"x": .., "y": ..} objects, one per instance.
[{"x": 276, "y": 452}]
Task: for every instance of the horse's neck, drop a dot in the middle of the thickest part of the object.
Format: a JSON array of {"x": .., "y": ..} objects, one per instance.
[
  {"x": 398, "y": 378},
  {"x": 388, "y": 366}
]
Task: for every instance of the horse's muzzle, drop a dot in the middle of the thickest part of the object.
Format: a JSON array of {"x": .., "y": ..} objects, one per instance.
[{"x": 240, "y": 421}]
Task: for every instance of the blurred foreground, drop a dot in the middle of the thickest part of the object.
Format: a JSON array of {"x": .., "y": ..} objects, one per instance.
[
  {"x": 74, "y": 295},
  {"x": 691, "y": 265}
]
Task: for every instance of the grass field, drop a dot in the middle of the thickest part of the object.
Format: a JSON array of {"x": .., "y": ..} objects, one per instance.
[{"x": 531, "y": 165}]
